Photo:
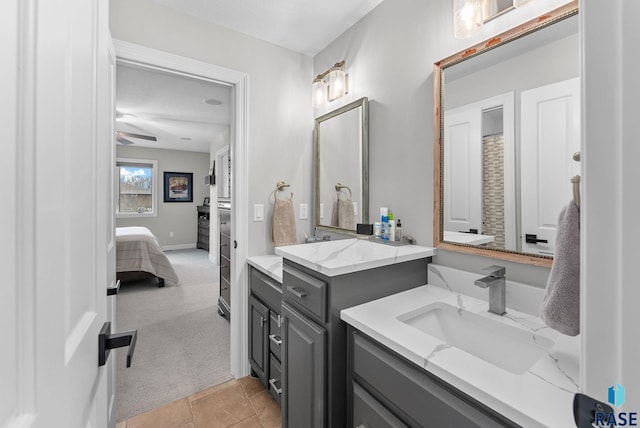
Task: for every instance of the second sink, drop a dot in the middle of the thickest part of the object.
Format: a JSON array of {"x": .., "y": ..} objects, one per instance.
[{"x": 511, "y": 348}]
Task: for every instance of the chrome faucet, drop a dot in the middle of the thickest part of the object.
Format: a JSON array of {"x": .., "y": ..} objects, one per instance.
[{"x": 497, "y": 284}]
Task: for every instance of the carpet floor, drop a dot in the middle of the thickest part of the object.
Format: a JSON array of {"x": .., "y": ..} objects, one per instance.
[{"x": 183, "y": 344}]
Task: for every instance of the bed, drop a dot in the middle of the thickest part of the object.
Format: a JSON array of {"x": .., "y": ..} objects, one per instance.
[{"x": 138, "y": 255}]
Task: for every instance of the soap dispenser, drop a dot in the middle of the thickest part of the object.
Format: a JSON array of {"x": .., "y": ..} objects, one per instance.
[{"x": 398, "y": 231}]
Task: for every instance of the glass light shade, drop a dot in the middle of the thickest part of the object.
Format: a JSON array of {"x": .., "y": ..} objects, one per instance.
[
  {"x": 319, "y": 93},
  {"x": 337, "y": 84},
  {"x": 522, "y": 3},
  {"x": 467, "y": 18}
]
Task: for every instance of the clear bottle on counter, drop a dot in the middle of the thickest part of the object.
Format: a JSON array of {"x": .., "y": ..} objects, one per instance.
[
  {"x": 377, "y": 230},
  {"x": 398, "y": 231}
]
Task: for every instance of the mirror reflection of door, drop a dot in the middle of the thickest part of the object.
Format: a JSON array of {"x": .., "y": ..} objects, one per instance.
[
  {"x": 479, "y": 174},
  {"x": 550, "y": 123}
]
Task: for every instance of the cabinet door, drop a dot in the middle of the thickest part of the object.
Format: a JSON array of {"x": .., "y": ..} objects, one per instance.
[
  {"x": 258, "y": 338},
  {"x": 303, "y": 371}
]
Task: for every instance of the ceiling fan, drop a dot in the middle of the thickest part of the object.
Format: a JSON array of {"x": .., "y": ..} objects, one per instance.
[{"x": 123, "y": 137}]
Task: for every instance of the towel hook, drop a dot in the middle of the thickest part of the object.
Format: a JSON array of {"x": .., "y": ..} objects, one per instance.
[{"x": 339, "y": 187}]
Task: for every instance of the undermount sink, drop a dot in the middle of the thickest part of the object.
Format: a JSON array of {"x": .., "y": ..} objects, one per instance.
[{"x": 513, "y": 349}]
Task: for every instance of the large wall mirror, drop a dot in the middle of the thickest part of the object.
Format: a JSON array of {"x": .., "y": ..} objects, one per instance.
[
  {"x": 341, "y": 143},
  {"x": 507, "y": 125}
]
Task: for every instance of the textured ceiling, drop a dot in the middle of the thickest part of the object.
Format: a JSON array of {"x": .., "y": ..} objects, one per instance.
[
  {"x": 305, "y": 26},
  {"x": 171, "y": 108}
]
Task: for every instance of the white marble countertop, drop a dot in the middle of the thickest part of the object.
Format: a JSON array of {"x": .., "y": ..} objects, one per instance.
[
  {"x": 540, "y": 397},
  {"x": 467, "y": 238},
  {"x": 332, "y": 258},
  {"x": 269, "y": 264}
]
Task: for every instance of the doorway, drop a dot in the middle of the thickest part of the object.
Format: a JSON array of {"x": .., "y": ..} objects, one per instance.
[{"x": 152, "y": 59}]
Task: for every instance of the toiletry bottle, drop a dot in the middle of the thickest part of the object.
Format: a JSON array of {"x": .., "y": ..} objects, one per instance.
[
  {"x": 384, "y": 223},
  {"x": 377, "y": 230},
  {"x": 385, "y": 228},
  {"x": 398, "y": 231},
  {"x": 392, "y": 227}
]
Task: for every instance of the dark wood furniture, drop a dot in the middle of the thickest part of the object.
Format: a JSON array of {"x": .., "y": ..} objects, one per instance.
[{"x": 203, "y": 227}]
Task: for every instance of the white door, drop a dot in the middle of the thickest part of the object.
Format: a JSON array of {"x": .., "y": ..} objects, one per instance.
[
  {"x": 55, "y": 170},
  {"x": 463, "y": 170},
  {"x": 549, "y": 135}
]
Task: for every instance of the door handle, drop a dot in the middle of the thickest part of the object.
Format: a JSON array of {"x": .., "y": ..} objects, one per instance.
[
  {"x": 108, "y": 341},
  {"x": 533, "y": 239},
  {"x": 113, "y": 290},
  {"x": 472, "y": 231}
]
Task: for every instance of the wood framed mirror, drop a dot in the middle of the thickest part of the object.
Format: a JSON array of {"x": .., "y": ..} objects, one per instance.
[{"x": 506, "y": 124}]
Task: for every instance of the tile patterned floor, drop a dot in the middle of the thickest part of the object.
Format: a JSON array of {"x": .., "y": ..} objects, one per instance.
[{"x": 242, "y": 403}]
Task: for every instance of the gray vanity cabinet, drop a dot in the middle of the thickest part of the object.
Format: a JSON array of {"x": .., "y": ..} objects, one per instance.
[
  {"x": 314, "y": 362},
  {"x": 305, "y": 377},
  {"x": 258, "y": 338},
  {"x": 386, "y": 390},
  {"x": 264, "y": 330}
]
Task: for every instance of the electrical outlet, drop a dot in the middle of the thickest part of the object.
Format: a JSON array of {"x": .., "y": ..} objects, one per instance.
[
  {"x": 258, "y": 212},
  {"x": 171, "y": 234},
  {"x": 355, "y": 208},
  {"x": 321, "y": 210},
  {"x": 304, "y": 211}
]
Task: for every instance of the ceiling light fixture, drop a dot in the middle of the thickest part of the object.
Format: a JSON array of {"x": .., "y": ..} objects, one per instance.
[
  {"x": 212, "y": 102},
  {"x": 330, "y": 85},
  {"x": 186, "y": 138}
]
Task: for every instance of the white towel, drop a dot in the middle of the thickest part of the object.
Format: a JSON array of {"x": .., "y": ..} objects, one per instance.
[
  {"x": 561, "y": 304},
  {"x": 284, "y": 222}
]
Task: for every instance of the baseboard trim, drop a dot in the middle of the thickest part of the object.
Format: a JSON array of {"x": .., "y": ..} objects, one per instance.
[{"x": 178, "y": 247}]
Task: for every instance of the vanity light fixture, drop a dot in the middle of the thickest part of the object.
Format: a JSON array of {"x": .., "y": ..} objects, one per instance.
[
  {"x": 467, "y": 18},
  {"x": 330, "y": 85},
  {"x": 470, "y": 15}
]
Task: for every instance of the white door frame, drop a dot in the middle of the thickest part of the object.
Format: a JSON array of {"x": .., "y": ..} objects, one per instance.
[{"x": 152, "y": 58}]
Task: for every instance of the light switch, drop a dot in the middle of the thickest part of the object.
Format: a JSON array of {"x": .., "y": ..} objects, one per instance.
[
  {"x": 321, "y": 210},
  {"x": 304, "y": 211},
  {"x": 258, "y": 212}
]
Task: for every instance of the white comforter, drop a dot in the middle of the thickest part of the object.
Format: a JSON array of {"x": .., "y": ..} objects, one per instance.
[{"x": 138, "y": 250}]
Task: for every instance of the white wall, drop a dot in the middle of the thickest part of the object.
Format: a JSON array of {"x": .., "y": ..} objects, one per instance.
[
  {"x": 389, "y": 56},
  {"x": 181, "y": 218},
  {"x": 280, "y": 113}
]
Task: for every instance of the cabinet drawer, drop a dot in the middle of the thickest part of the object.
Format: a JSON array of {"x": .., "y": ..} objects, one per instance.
[
  {"x": 203, "y": 222},
  {"x": 266, "y": 288},
  {"x": 418, "y": 395},
  {"x": 225, "y": 224},
  {"x": 225, "y": 268},
  {"x": 275, "y": 379},
  {"x": 275, "y": 336},
  {"x": 203, "y": 231},
  {"x": 368, "y": 412},
  {"x": 225, "y": 247},
  {"x": 305, "y": 291}
]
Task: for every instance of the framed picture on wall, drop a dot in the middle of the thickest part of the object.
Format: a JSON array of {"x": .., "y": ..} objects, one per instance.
[{"x": 178, "y": 186}]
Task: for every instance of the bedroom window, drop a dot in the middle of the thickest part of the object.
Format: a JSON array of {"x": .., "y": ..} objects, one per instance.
[{"x": 136, "y": 187}]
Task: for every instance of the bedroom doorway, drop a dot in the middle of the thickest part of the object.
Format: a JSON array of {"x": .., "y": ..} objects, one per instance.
[{"x": 156, "y": 61}]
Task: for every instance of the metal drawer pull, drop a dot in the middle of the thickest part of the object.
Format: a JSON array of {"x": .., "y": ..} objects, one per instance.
[
  {"x": 275, "y": 339},
  {"x": 272, "y": 382},
  {"x": 296, "y": 292}
]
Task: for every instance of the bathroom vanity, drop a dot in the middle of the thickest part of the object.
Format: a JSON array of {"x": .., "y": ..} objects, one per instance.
[
  {"x": 265, "y": 340},
  {"x": 319, "y": 280},
  {"x": 434, "y": 356}
]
